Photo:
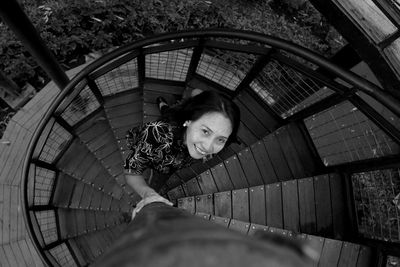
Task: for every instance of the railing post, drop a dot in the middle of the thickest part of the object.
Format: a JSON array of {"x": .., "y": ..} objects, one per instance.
[
  {"x": 161, "y": 235},
  {"x": 19, "y": 23}
]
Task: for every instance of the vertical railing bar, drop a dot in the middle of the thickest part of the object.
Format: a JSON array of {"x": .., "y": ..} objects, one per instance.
[
  {"x": 397, "y": 211},
  {"x": 288, "y": 91},
  {"x": 358, "y": 124},
  {"x": 344, "y": 140},
  {"x": 385, "y": 198}
]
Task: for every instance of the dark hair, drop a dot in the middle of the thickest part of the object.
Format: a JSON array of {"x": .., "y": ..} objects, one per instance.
[{"x": 206, "y": 102}]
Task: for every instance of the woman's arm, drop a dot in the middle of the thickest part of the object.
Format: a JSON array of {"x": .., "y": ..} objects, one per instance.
[{"x": 136, "y": 181}]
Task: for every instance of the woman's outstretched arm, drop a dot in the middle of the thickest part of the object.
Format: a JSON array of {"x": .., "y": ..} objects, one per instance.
[{"x": 137, "y": 182}]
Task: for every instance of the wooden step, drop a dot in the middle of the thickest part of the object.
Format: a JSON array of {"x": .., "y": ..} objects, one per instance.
[
  {"x": 92, "y": 245},
  {"x": 280, "y": 156},
  {"x": 314, "y": 205},
  {"x": 124, "y": 111},
  {"x": 330, "y": 252},
  {"x": 76, "y": 222}
]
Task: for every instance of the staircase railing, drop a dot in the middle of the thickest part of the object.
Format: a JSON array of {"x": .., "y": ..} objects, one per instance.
[{"x": 278, "y": 72}]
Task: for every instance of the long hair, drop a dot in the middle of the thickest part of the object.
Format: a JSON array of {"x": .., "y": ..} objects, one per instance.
[{"x": 206, "y": 102}]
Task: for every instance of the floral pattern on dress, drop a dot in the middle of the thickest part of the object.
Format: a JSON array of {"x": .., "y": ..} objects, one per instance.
[{"x": 155, "y": 145}]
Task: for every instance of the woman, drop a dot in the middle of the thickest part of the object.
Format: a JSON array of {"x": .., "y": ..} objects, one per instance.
[{"x": 193, "y": 130}]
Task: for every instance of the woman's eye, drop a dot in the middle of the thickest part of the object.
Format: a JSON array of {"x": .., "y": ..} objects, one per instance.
[
  {"x": 206, "y": 132},
  {"x": 222, "y": 141}
]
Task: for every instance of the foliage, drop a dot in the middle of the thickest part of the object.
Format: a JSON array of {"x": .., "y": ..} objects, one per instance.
[
  {"x": 74, "y": 28},
  {"x": 5, "y": 115}
]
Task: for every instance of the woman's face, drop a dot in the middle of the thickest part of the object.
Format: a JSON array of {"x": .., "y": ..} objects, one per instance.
[{"x": 207, "y": 135}]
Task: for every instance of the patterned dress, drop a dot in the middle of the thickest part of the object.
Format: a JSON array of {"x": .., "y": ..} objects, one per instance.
[{"x": 156, "y": 145}]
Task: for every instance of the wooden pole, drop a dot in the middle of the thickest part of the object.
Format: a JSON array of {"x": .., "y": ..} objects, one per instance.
[{"x": 12, "y": 14}]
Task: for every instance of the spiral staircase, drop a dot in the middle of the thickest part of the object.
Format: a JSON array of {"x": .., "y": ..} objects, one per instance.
[{"x": 317, "y": 159}]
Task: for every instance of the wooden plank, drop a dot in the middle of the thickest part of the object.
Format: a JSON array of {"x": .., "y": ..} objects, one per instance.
[
  {"x": 193, "y": 187},
  {"x": 151, "y": 109},
  {"x": 100, "y": 220},
  {"x": 258, "y": 110},
  {"x": 240, "y": 226},
  {"x": 221, "y": 178},
  {"x": 67, "y": 223},
  {"x": 202, "y": 215},
  {"x": 323, "y": 206},
  {"x": 22, "y": 231},
  {"x": 112, "y": 160},
  {"x": 256, "y": 229},
  {"x": 290, "y": 152},
  {"x": 176, "y": 193},
  {"x": 245, "y": 135},
  {"x": 127, "y": 97},
  {"x": 188, "y": 204},
  {"x": 2, "y": 211},
  {"x": 18, "y": 254},
  {"x": 273, "y": 203},
  {"x": 307, "y": 206},
  {"x": 77, "y": 192},
  {"x": 240, "y": 205},
  {"x": 124, "y": 109},
  {"x": 95, "y": 202},
  {"x": 37, "y": 261},
  {"x": 126, "y": 120},
  {"x": 204, "y": 204},
  {"x": 92, "y": 173},
  {"x": 77, "y": 252},
  {"x": 339, "y": 210},
  {"x": 100, "y": 140},
  {"x": 159, "y": 87},
  {"x": 86, "y": 248},
  {"x": 365, "y": 257},
  {"x": 290, "y": 200},
  {"x": 277, "y": 158},
  {"x": 303, "y": 150},
  {"x": 3, "y": 257},
  {"x": 186, "y": 173},
  {"x": 92, "y": 129},
  {"x": 220, "y": 220},
  {"x": 74, "y": 155},
  {"x": 223, "y": 204},
  {"x": 249, "y": 166},
  {"x": 257, "y": 205},
  {"x": 106, "y": 203},
  {"x": 251, "y": 121},
  {"x": 14, "y": 212},
  {"x": 10, "y": 255},
  {"x": 87, "y": 192},
  {"x": 236, "y": 173},
  {"x": 105, "y": 150},
  {"x": 6, "y": 213},
  {"x": 316, "y": 243},
  {"x": 63, "y": 191},
  {"x": 151, "y": 96},
  {"x": 200, "y": 167},
  {"x": 263, "y": 162},
  {"x": 349, "y": 254},
  {"x": 80, "y": 218},
  {"x": 90, "y": 221},
  {"x": 206, "y": 183},
  {"x": 173, "y": 181},
  {"x": 330, "y": 253}
]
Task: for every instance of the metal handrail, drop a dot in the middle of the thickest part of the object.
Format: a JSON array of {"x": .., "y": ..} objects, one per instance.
[{"x": 361, "y": 84}]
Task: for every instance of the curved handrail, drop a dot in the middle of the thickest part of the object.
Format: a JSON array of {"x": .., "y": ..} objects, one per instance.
[{"x": 361, "y": 84}]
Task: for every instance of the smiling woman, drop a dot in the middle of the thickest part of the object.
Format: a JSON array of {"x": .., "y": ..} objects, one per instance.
[{"x": 195, "y": 129}]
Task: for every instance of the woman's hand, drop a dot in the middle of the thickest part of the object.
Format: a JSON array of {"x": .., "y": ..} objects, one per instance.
[{"x": 148, "y": 198}]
